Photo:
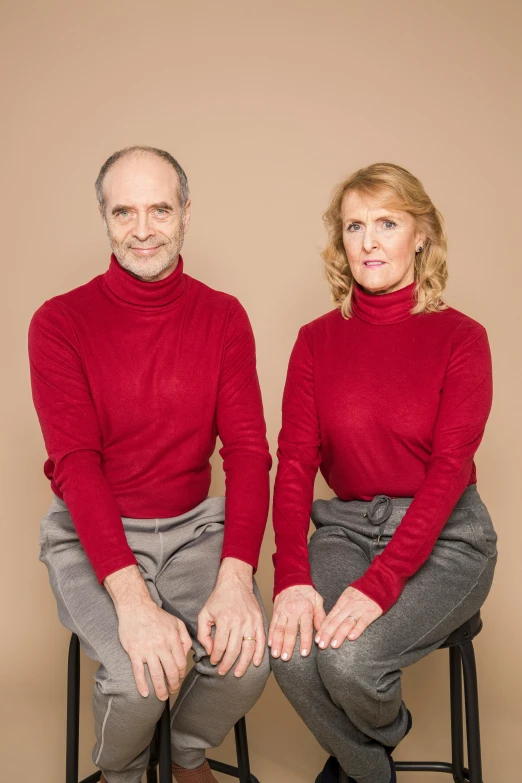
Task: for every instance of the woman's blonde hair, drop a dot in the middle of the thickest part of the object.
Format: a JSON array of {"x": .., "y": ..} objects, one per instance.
[{"x": 404, "y": 192}]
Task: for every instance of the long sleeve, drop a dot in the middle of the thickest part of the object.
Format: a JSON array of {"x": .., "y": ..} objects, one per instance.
[
  {"x": 465, "y": 402},
  {"x": 72, "y": 437},
  {"x": 241, "y": 428},
  {"x": 299, "y": 459}
]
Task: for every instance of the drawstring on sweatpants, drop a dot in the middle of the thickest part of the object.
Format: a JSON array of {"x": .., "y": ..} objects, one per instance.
[{"x": 379, "y": 512}]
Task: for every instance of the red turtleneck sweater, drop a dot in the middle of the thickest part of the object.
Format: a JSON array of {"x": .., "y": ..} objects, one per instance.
[
  {"x": 384, "y": 403},
  {"x": 132, "y": 382}
]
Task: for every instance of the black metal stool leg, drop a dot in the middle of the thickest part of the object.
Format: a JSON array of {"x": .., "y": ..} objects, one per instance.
[
  {"x": 73, "y": 712},
  {"x": 243, "y": 762},
  {"x": 457, "y": 723},
  {"x": 165, "y": 756},
  {"x": 472, "y": 713},
  {"x": 152, "y": 775}
]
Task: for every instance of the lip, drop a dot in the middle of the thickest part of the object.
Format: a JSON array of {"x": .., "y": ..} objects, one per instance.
[
  {"x": 373, "y": 262},
  {"x": 145, "y": 251}
]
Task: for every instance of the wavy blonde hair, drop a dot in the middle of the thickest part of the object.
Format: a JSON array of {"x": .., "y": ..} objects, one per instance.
[{"x": 402, "y": 191}]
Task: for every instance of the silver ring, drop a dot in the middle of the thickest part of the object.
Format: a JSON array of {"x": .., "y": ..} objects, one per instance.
[{"x": 351, "y": 617}]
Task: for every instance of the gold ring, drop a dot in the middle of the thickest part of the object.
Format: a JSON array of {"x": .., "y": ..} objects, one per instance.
[{"x": 249, "y": 638}]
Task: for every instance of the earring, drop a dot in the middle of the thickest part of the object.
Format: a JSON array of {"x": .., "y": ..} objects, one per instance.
[{"x": 419, "y": 249}]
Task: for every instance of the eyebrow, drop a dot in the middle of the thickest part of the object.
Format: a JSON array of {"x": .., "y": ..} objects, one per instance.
[
  {"x": 387, "y": 216},
  {"x": 125, "y": 208}
]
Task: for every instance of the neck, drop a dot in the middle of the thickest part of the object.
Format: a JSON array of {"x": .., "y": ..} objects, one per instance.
[
  {"x": 383, "y": 307},
  {"x": 152, "y": 294}
]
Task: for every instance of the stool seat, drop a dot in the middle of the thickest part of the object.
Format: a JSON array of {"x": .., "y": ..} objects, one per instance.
[{"x": 465, "y": 633}]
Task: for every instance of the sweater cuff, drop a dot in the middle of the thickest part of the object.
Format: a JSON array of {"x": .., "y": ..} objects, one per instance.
[
  {"x": 103, "y": 570},
  {"x": 291, "y": 580},
  {"x": 371, "y": 589}
]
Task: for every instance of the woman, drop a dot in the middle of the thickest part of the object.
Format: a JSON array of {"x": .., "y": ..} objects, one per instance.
[{"x": 389, "y": 395}]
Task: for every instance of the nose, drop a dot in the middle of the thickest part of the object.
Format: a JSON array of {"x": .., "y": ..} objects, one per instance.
[
  {"x": 370, "y": 239},
  {"x": 142, "y": 227}
]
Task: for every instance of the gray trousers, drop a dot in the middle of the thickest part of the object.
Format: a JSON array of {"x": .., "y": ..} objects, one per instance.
[
  {"x": 350, "y": 697},
  {"x": 179, "y": 559}
]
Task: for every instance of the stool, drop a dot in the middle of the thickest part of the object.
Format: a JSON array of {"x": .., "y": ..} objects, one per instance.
[
  {"x": 160, "y": 746},
  {"x": 462, "y": 662}
]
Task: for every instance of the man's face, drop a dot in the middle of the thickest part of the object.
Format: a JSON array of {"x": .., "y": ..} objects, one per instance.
[{"x": 143, "y": 215}]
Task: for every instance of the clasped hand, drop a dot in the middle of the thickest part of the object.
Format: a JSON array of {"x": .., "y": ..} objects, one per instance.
[{"x": 300, "y": 609}]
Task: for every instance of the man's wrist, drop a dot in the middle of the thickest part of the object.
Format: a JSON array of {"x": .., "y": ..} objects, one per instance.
[
  {"x": 127, "y": 589},
  {"x": 234, "y": 570}
]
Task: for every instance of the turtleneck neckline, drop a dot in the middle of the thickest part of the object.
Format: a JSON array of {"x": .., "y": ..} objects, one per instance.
[
  {"x": 129, "y": 291},
  {"x": 383, "y": 308}
]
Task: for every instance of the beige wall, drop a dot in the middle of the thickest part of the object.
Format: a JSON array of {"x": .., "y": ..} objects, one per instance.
[{"x": 266, "y": 105}]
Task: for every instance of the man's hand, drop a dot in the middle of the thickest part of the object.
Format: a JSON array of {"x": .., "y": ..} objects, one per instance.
[
  {"x": 299, "y": 607},
  {"x": 148, "y": 634},
  {"x": 350, "y": 616},
  {"x": 235, "y": 612}
]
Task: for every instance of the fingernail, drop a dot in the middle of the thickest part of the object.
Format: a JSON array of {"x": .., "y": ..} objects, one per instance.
[
  {"x": 335, "y": 643},
  {"x": 303, "y": 652},
  {"x": 270, "y": 642},
  {"x": 321, "y": 644},
  {"x": 317, "y": 639},
  {"x": 352, "y": 636},
  {"x": 274, "y": 653},
  {"x": 284, "y": 656}
]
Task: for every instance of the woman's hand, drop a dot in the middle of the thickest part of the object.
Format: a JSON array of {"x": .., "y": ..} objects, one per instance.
[
  {"x": 298, "y": 608},
  {"x": 350, "y": 616}
]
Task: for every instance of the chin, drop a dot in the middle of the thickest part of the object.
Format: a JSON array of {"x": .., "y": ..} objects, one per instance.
[{"x": 146, "y": 269}]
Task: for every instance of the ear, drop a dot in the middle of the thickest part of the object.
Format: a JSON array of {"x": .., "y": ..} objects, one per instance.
[
  {"x": 420, "y": 239},
  {"x": 186, "y": 215}
]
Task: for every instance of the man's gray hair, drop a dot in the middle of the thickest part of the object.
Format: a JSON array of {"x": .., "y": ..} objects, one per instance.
[{"x": 183, "y": 182}]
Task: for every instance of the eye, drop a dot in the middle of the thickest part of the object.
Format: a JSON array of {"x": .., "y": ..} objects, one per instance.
[
  {"x": 161, "y": 211},
  {"x": 353, "y": 227},
  {"x": 389, "y": 224}
]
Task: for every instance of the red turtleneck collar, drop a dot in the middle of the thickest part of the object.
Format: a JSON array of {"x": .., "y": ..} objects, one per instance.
[
  {"x": 132, "y": 292},
  {"x": 383, "y": 308}
]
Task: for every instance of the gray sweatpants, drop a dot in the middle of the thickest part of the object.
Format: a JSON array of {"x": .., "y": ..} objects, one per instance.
[
  {"x": 179, "y": 559},
  {"x": 350, "y": 697}
]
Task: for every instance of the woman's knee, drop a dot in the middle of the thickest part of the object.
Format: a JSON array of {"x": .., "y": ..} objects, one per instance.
[{"x": 351, "y": 670}]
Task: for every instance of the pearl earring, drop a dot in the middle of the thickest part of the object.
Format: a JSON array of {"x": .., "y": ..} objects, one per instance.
[{"x": 419, "y": 249}]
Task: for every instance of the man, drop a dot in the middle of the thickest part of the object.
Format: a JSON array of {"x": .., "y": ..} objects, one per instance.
[{"x": 134, "y": 375}]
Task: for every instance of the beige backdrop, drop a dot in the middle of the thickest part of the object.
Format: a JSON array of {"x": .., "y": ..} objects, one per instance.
[{"x": 266, "y": 105}]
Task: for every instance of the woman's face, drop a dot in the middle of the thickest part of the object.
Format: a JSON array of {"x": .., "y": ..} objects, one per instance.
[{"x": 380, "y": 243}]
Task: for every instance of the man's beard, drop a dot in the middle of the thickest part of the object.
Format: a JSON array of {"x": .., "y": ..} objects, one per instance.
[{"x": 148, "y": 268}]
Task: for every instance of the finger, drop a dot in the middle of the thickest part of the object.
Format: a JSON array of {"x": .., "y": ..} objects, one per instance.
[
  {"x": 307, "y": 633},
  {"x": 138, "y": 670},
  {"x": 362, "y": 624},
  {"x": 157, "y": 675},
  {"x": 171, "y": 669},
  {"x": 205, "y": 631},
  {"x": 219, "y": 644},
  {"x": 260, "y": 644},
  {"x": 319, "y": 614},
  {"x": 271, "y": 627},
  {"x": 344, "y": 628},
  {"x": 186, "y": 640},
  {"x": 278, "y": 635},
  {"x": 291, "y": 630},
  {"x": 331, "y": 620},
  {"x": 232, "y": 652},
  {"x": 178, "y": 653},
  {"x": 330, "y": 629},
  {"x": 247, "y": 653}
]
